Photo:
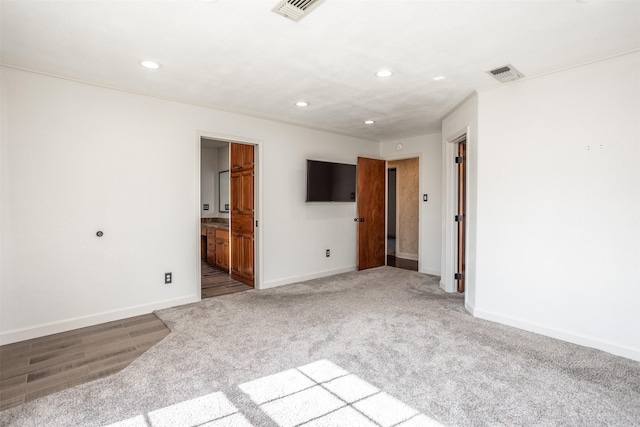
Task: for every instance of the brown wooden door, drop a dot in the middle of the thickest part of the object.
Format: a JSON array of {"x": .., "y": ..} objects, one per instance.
[
  {"x": 242, "y": 199},
  {"x": 371, "y": 213},
  {"x": 247, "y": 198},
  {"x": 242, "y": 213},
  {"x": 237, "y": 156},
  {"x": 461, "y": 217},
  {"x": 236, "y": 254},
  {"x": 235, "y": 199},
  {"x": 246, "y": 268},
  {"x": 248, "y": 157},
  {"x": 242, "y": 156}
]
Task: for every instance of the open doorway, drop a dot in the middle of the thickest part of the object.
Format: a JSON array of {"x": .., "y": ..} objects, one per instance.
[
  {"x": 215, "y": 248},
  {"x": 403, "y": 213}
]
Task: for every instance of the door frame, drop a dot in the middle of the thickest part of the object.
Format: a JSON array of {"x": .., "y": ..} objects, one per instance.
[
  {"x": 407, "y": 156},
  {"x": 450, "y": 208},
  {"x": 386, "y": 215},
  {"x": 258, "y": 200}
]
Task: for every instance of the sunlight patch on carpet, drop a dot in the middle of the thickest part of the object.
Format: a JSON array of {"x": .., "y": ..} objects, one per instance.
[
  {"x": 320, "y": 394},
  {"x": 324, "y": 394},
  {"x": 213, "y": 410}
]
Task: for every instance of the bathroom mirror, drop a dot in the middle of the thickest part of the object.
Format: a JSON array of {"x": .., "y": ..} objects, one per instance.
[{"x": 223, "y": 191}]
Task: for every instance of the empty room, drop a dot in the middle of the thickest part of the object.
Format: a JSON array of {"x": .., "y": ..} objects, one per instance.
[{"x": 319, "y": 213}]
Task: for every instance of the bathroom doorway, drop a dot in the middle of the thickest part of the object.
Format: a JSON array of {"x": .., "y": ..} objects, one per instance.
[
  {"x": 215, "y": 247},
  {"x": 402, "y": 213}
]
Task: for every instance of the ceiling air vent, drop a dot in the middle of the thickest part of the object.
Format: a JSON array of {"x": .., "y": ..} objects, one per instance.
[
  {"x": 296, "y": 9},
  {"x": 506, "y": 73}
]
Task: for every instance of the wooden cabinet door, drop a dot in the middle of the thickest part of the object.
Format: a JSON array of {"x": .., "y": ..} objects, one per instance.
[
  {"x": 211, "y": 246},
  {"x": 211, "y": 252},
  {"x": 222, "y": 254}
]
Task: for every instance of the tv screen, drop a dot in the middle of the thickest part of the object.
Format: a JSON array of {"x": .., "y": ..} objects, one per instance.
[{"x": 330, "y": 182}]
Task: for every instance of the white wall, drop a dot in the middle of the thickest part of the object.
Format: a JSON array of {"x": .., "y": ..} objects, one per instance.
[
  {"x": 78, "y": 158},
  {"x": 212, "y": 162},
  {"x": 429, "y": 151},
  {"x": 223, "y": 158},
  {"x": 223, "y": 165},
  {"x": 209, "y": 182},
  {"x": 558, "y": 231},
  {"x": 303, "y": 231}
]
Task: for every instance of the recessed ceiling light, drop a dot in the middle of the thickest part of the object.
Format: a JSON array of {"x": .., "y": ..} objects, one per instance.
[
  {"x": 152, "y": 65},
  {"x": 438, "y": 78},
  {"x": 384, "y": 73},
  {"x": 369, "y": 122},
  {"x": 302, "y": 104}
]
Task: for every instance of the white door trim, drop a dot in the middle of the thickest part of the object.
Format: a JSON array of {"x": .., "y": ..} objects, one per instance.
[
  {"x": 450, "y": 191},
  {"x": 407, "y": 156}
]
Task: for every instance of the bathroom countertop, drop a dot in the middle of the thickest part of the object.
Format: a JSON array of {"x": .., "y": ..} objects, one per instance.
[{"x": 215, "y": 225}]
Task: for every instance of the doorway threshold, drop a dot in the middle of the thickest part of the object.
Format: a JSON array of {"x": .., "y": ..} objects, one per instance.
[{"x": 405, "y": 264}]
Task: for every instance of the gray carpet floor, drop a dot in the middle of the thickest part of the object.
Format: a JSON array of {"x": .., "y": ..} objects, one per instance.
[{"x": 392, "y": 330}]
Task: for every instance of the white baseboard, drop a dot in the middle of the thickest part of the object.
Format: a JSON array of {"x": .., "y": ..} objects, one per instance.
[
  {"x": 470, "y": 308},
  {"x": 45, "y": 329},
  {"x": 561, "y": 334},
  {"x": 430, "y": 271},
  {"x": 402, "y": 255},
  {"x": 296, "y": 279},
  {"x": 443, "y": 286}
]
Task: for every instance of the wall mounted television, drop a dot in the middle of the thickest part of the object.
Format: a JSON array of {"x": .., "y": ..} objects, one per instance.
[{"x": 330, "y": 182}]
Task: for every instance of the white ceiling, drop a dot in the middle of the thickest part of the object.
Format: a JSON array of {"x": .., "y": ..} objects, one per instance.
[{"x": 237, "y": 55}]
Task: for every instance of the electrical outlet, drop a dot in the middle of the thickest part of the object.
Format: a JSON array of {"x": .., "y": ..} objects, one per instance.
[
  {"x": 205, "y": 207},
  {"x": 167, "y": 277},
  {"x": 328, "y": 253}
]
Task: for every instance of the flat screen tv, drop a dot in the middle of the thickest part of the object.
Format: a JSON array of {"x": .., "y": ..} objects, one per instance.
[{"x": 330, "y": 182}]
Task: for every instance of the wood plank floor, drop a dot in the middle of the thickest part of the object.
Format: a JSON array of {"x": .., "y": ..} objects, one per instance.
[
  {"x": 45, "y": 365},
  {"x": 42, "y": 366},
  {"x": 406, "y": 264},
  {"x": 217, "y": 282}
]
